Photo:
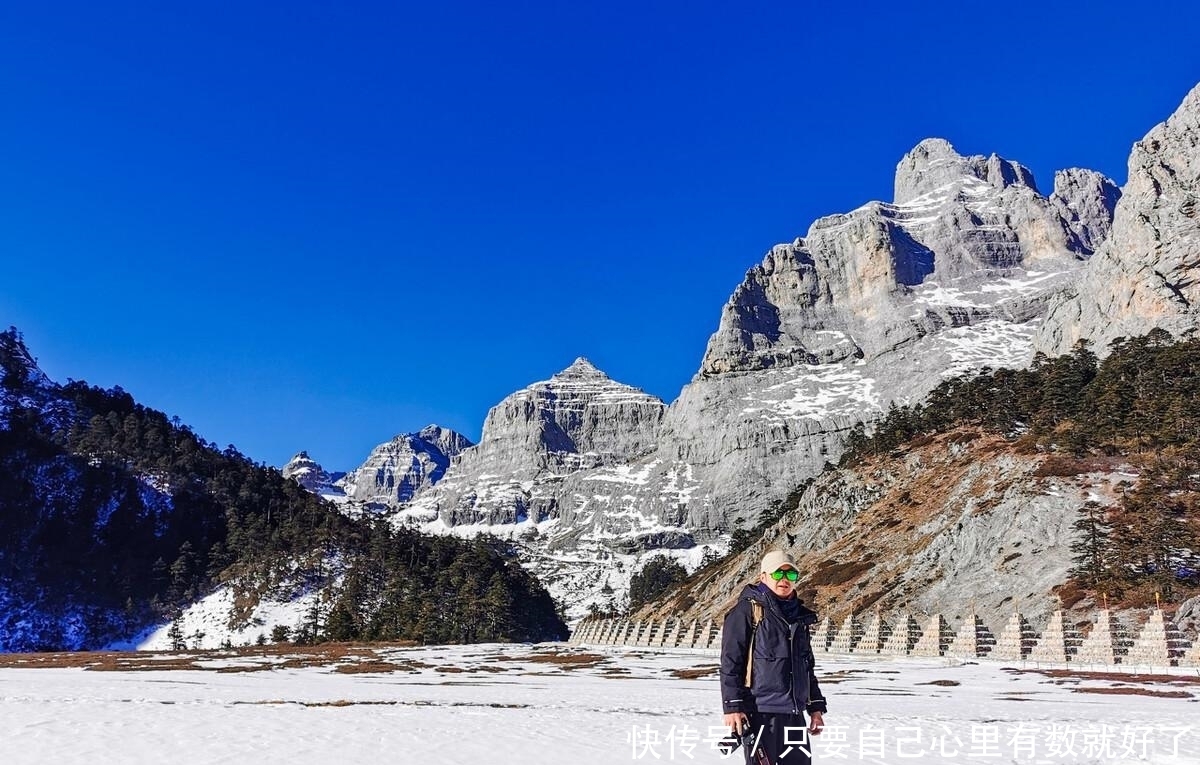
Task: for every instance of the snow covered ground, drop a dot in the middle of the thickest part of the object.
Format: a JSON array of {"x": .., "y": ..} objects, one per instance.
[{"x": 553, "y": 703}]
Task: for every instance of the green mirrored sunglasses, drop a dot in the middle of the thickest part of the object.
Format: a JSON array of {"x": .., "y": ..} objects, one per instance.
[{"x": 791, "y": 574}]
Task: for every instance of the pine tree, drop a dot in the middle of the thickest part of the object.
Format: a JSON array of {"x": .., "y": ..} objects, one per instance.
[
  {"x": 658, "y": 575},
  {"x": 175, "y": 635},
  {"x": 1091, "y": 547}
]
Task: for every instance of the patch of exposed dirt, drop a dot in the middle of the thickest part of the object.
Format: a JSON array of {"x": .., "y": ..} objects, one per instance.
[
  {"x": 692, "y": 673},
  {"x": 567, "y": 660},
  {"x": 257, "y": 659},
  {"x": 1066, "y": 675},
  {"x": 374, "y": 666}
]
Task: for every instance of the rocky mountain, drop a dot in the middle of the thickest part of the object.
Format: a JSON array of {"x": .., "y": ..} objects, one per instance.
[
  {"x": 578, "y": 420},
  {"x": 395, "y": 471},
  {"x": 307, "y": 472},
  {"x": 969, "y": 266},
  {"x": 1146, "y": 274},
  {"x": 869, "y": 308}
]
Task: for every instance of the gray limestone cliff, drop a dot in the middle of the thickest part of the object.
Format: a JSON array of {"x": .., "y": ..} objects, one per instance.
[
  {"x": 869, "y": 308},
  {"x": 1146, "y": 274},
  {"x": 876, "y": 307},
  {"x": 853, "y": 286},
  {"x": 395, "y": 471},
  {"x": 578, "y": 420}
]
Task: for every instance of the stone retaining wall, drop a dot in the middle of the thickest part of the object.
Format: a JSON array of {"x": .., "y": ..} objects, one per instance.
[{"x": 1106, "y": 641}]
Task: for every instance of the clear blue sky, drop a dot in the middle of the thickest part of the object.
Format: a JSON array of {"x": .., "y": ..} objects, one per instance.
[{"x": 314, "y": 225}]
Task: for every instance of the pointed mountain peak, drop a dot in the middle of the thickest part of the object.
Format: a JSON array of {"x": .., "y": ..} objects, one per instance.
[
  {"x": 449, "y": 442},
  {"x": 430, "y": 432},
  {"x": 934, "y": 164},
  {"x": 581, "y": 369},
  {"x": 299, "y": 463},
  {"x": 931, "y": 150}
]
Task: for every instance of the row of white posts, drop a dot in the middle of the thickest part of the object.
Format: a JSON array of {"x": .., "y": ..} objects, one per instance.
[{"x": 1157, "y": 643}]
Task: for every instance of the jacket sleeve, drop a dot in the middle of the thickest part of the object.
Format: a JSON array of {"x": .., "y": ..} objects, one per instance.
[
  {"x": 816, "y": 699},
  {"x": 735, "y": 643}
]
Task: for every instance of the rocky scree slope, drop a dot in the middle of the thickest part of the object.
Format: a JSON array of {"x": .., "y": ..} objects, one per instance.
[{"x": 963, "y": 522}]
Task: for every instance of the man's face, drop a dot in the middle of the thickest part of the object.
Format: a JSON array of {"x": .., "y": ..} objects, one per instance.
[{"x": 784, "y": 588}]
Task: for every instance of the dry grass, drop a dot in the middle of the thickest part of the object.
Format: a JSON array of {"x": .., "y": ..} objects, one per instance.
[
  {"x": 568, "y": 660},
  {"x": 256, "y": 659},
  {"x": 692, "y": 673},
  {"x": 1067, "y": 466},
  {"x": 1064, "y": 676},
  {"x": 371, "y": 666},
  {"x": 942, "y": 683},
  {"x": 830, "y": 573},
  {"x": 1126, "y": 691}
]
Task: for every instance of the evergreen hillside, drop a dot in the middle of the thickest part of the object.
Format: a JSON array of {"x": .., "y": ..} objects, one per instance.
[
  {"x": 114, "y": 516},
  {"x": 1140, "y": 405}
]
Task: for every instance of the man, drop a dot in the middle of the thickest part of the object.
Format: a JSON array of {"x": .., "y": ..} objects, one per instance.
[{"x": 767, "y": 674}]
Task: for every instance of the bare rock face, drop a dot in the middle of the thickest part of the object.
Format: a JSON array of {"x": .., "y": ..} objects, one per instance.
[
  {"x": 1146, "y": 274},
  {"x": 1085, "y": 201},
  {"x": 307, "y": 472},
  {"x": 876, "y": 307},
  {"x": 961, "y": 524},
  {"x": 852, "y": 287},
  {"x": 395, "y": 471},
  {"x": 869, "y": 308},
  {"x": 934, "y": 165},
  {"x": 537, "y": 438},
  {"x": 578, "y": 416}
]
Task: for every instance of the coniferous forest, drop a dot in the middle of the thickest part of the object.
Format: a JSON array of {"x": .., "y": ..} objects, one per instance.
[
  {"x": 114, "y": 516},
  {"x": 1140, "y": 406}
]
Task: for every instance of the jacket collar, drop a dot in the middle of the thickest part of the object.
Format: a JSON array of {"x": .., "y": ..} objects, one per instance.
[{"x": 759, "y": 592}]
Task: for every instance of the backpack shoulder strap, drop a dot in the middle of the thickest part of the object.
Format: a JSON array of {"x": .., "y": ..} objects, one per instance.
[{"x": 756, "y": 616}]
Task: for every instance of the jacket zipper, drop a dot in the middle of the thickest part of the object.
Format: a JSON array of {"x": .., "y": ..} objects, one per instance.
[{"x": 792, "y": 660}]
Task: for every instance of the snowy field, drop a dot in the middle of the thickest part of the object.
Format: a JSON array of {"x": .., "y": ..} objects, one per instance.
[{"x": 551, "y": 703}]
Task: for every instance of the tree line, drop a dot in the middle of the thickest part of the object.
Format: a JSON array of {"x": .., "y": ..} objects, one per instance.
[{"x": 113, "y": 515}]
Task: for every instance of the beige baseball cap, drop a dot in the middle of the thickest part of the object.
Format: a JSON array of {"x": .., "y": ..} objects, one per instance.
[{"x": 775, "y": 560}]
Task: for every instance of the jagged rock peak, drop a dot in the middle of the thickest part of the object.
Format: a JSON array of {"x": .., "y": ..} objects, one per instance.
[
  {"x": 307, "y": 472},
  {"x": 580, "y": 382},
  {"x": 299, "y": 463},
  {"x": 449, "y": 442},
  {"x": 580, "y": 370},
  {"x": 395, "y": 471},
  {"x": 934, "y": 164},
  {"x": 1086, "y": 201},
  {"x": 1146, "y": 272}
]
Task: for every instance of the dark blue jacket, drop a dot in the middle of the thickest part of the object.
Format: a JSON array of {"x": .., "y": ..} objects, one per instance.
[{"x": 783, "y": 680}]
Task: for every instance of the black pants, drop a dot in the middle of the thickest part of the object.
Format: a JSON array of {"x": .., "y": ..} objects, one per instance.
[{"x": 773, "y": 736}]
